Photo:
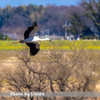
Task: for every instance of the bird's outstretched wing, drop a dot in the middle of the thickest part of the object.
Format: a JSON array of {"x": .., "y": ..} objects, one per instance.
[
  {"x": 33, "y": 49},
  {"x": 33, "y": 27}
]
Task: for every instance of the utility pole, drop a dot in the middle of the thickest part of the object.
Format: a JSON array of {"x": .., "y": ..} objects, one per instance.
[
  {"x": 47, "y": 31},
  {"x": 65, "y": 26},
  {"x": 42, "y": 33}
]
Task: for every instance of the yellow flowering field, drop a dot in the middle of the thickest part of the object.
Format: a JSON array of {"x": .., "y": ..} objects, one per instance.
[{"x": 58, "y": 45}]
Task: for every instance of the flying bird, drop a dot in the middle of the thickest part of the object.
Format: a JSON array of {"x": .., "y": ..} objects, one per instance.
[{"x": 31, "y": 39}]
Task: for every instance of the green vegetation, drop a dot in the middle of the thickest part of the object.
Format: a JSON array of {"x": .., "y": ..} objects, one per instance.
[
  {"x": 77, "y": 26},
  {"x": 4, "y": 37},
  {"x": 58, "y": 45},
  {"x": 93, "y": 11}
]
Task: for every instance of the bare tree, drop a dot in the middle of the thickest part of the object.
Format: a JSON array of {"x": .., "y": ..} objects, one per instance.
[{"x": 56, "y": 71}]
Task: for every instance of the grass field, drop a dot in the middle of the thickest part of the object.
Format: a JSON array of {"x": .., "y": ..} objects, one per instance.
[
  {"x": 8, "y": 58},
  {"x": 58, "y": 45}
]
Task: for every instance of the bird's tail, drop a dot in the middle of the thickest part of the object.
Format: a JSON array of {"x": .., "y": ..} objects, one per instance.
[{"x": 22, "y": 41}]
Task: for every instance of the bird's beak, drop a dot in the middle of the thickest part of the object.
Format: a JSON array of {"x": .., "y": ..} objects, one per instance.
[{"x": 51, "y": 40}]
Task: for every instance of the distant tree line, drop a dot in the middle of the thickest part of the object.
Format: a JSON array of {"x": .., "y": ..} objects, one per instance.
[{"x": 83, "y": 18}]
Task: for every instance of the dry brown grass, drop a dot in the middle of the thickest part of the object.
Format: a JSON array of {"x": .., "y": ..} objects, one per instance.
[{"x": 77, "y": 68}]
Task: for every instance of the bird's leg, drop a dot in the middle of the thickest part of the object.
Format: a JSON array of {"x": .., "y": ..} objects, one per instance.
[{"x": 16, "y": 42}]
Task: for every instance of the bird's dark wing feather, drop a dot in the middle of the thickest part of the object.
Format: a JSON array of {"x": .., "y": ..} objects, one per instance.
[
  {"x": 33, "y": 49},
  {"x": 26, "y": 33}
]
